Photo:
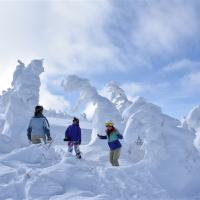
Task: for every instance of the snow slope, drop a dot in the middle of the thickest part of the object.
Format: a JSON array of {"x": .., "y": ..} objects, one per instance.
[{"x": 36, "y": 173}]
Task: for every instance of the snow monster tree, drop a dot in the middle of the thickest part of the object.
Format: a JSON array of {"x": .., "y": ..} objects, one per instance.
[
  {"x": 105, "y": 110},
  {"x": 23, "y": 97}
]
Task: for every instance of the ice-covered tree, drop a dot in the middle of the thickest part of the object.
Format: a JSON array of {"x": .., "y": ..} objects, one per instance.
[
  {"x": 116, "y": 95},
  {"x": 3, "y": 105},
  {"x": 137, "y": 102},
  {"x": 104, "y": 110},
  {"x": 193, "y": 118},
  {"x": 192, "y": 122},
  {"x": 168, "y": 152},
  {"x": 22, "y": 99}
]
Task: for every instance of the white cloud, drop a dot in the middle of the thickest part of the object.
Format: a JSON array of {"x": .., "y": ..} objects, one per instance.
[
  {"x": 184, "y": 64},
  {"x": 153, "y": 90},
  {"x": 18, "y": 36},
  {"x": 133, "y": 88},
  {"x": 69, "y": 35},
  {"x": 72, "y": 37},
  {"x": 162, "y": 27},
  {"x": 5, "y": 78},
  {"x": 50, "y": 101},
  {"x": 190, "y": 83},
  {"x": 77, "y": 42}
]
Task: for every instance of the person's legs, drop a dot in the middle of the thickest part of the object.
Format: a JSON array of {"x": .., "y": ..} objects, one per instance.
[
  {"x": 35, "y": 140},
  {"x": 70, "y": 146},
  {"x": 111, "y": 156},
  {"x": 77, "y": 150},
  {"x": 116, "y": 155}
]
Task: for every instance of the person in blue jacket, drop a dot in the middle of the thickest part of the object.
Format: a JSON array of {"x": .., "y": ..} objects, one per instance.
[
  {"x": 73, "y": 136},
  {"x": 113, "y": 136},
  {"x": 38, "y": 128}
]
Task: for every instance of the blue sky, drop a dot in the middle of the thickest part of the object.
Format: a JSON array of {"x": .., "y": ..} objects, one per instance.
[{"x": 150, "y": 47}]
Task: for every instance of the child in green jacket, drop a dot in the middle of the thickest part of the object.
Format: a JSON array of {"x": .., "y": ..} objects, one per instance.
[{"x": 113, "y": 136}]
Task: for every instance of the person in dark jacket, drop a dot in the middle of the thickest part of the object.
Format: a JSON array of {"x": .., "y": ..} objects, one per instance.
[
  {"x": 73, "y": 136},
  {"x": 113, "y": 136},
  {"x": 38, "y": 128}
]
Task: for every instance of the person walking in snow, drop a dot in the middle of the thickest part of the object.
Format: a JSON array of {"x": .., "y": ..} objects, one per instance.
[
  {"x": 38, "y": 128},
  {"x": 113, "y": 136},
  {"x": 73, "y": 136}
]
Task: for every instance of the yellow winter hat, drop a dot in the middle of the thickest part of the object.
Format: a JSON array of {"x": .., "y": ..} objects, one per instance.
[{"x": 110, "y": 123}]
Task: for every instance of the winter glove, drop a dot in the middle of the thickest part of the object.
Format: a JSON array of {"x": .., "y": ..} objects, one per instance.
[
  {"x": 120, "y": 136},
  {"x": 102, "y": 136},
  {"x": 29, "y": 136},
  {"x": 49, "y": 138},
  {"x": 65, "y": 139},
  {"x": 79, "y": 142}
]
